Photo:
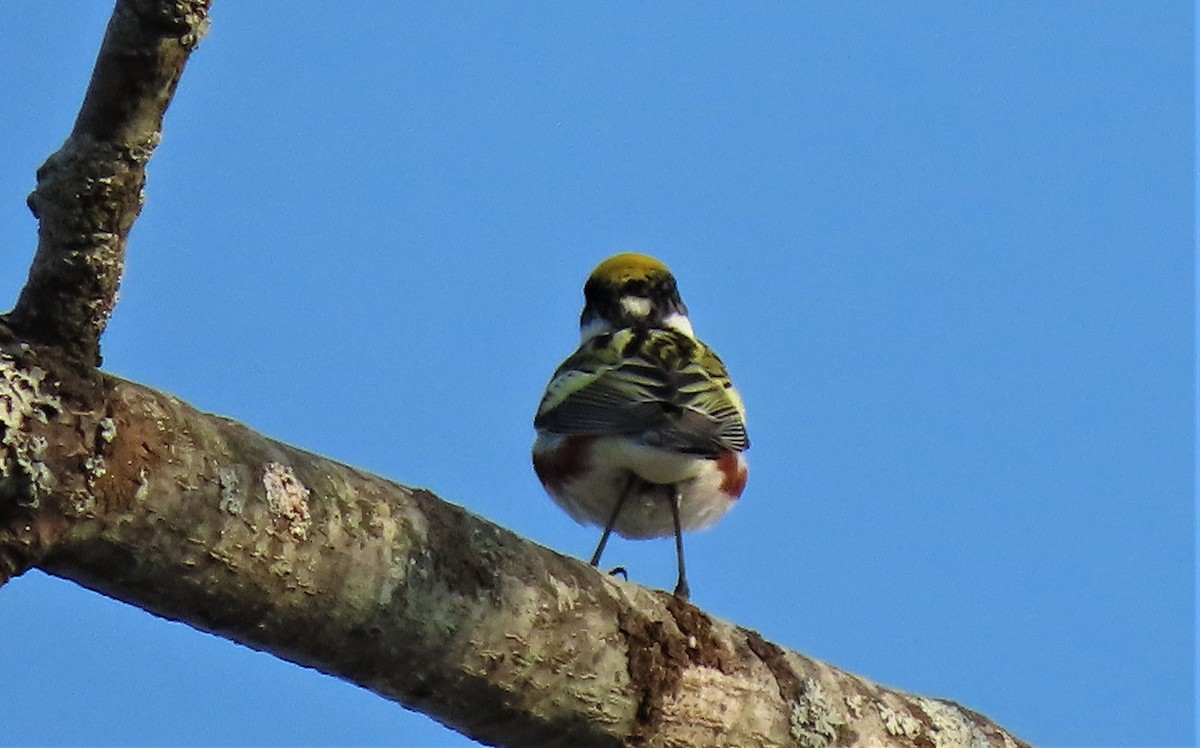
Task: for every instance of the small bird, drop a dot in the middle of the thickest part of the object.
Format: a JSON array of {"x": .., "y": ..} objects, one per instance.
[{"x": 640, "y": 430}]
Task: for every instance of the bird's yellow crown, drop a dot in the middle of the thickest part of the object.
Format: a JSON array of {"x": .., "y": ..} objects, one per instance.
[{"x": 628, "y": 266}]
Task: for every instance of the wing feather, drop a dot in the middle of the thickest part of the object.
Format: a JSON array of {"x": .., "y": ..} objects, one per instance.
[{"x": 658, "y": 385}]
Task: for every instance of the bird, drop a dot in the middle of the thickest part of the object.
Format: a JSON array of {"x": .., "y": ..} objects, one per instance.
[{"x": 640, "y": 430}]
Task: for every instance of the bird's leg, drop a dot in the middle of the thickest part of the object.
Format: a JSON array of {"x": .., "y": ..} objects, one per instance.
[
  {"x": 681, "y": 586},
  {"x": 612, "y": 520}
]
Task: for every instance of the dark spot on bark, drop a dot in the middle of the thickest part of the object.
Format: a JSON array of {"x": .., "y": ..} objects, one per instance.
[
  {"x": 658, "y": 653},
  {"x": 790, "y": 688},
  {"x": 653, "y": 668},
  {"x": 135, "y": 453},
  {"x": 27, "y": 537},
  {"x": 462, "y": 562},
  {"x": 695, "y": 625},
  {"x": 923, "y": 740}
]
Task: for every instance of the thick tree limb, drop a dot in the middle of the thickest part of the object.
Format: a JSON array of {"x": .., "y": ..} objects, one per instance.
[
  {"x": 194, "y": 517},
  {"x": 89, "y": 193},
  {"x": 198, "y": 519}
]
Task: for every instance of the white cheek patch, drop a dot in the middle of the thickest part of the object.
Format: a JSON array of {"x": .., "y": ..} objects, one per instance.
[
  {"x": 680, "y": 323},
  {"x": 592, "y": 328},
  {"x": 636, "y": 306}
]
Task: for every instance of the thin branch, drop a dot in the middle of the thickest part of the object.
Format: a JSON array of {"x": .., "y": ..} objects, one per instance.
[
  {"x": 199, "y": 519},
  {"x": 89, "y": 192}
]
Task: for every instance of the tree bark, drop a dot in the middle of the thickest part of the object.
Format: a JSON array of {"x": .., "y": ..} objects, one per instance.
[
  {"x": 197, "y": 518},
  {"x": 89, "y": 193}
]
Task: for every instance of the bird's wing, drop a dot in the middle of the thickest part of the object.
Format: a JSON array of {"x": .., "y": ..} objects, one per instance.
[{"x": 657, "y": 385}]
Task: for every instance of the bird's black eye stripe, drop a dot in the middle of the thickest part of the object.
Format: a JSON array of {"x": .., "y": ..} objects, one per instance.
[{"x": 603, "y": 300}]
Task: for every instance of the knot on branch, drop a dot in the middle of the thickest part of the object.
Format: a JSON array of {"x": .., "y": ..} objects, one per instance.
[{"x": 88, "y": 195}]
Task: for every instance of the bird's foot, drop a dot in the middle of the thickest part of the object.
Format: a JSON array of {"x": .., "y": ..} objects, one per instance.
[{"x": 682, "y": 591}]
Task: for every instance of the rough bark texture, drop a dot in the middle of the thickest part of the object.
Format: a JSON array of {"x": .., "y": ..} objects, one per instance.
[
  {"x": 196, "y": 518},
  {"x": 89, "y": 193},
  {"x": 199, "y": 519}
]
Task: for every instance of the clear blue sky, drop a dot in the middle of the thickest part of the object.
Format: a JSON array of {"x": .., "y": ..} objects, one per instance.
[{"x": 946, "y": 249}]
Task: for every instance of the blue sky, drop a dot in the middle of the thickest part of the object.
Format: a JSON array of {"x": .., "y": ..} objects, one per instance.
[{"x": 946, "y": 250}]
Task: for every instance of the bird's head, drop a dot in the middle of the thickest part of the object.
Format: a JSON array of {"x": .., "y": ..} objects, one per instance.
[{"x": 631, "y": 290}]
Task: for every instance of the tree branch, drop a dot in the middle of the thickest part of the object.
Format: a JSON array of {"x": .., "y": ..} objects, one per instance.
[
  {"x": 89, "y": 192},
  {"x": 197, "y": 518}
]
